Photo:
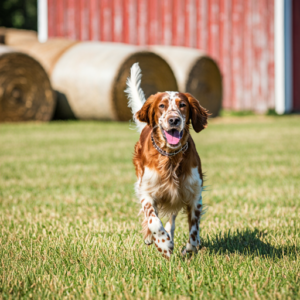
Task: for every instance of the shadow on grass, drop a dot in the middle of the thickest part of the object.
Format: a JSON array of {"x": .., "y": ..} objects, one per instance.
[{"x": 248, "y": 242}]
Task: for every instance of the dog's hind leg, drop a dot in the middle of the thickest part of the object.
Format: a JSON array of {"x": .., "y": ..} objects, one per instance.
[
  {"x": 170, "y": 226},
  {"x": 194, "y": 215}
]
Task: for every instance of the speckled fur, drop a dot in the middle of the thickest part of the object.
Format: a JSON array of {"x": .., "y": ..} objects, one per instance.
[{"x": 167, "y": 185}]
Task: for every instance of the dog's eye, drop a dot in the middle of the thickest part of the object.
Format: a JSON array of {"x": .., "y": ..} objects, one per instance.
[
  {"x": 182, "y": 104},
  {"x": 162, "y": 106}
]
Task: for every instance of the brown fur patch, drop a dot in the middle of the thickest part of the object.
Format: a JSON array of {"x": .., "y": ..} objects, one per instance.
[
  {"x": 148, "y": 205},
  {"x": 150, "y": 211},
  {"x": 166, "y": 257}
]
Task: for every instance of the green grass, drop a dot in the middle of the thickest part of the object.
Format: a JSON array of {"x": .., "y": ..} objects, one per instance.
[
  {"x": 239, "y": 113},
  {"x": 70, "y": 226}
]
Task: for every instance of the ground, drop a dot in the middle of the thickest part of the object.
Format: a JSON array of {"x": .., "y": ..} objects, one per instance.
[{"x": 70, "y": 226}]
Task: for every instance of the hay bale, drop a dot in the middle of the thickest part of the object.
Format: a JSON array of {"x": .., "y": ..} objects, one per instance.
[
  {"x": 25, "y": 90},
  {"x": 46, "y": 53},
  {"x": 12, "y": 36},
  {"x": 93, "y": 77},
  {"x": 196, "y": 73}
]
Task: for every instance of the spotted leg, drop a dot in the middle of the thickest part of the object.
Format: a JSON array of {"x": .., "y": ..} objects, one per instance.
[
  {"x": 155, "y": 229},
  {"x": 148, "y": 236},
  {"x": 194, "y": 214},
  {"x": 170, "y": 226}
]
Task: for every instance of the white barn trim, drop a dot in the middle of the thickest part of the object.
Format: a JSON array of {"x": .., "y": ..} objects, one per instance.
[
  {"x": 42, "y": 20},
  {"x": 283, "y": 56}
]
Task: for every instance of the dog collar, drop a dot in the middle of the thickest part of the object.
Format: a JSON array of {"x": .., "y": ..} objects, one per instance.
[{"x": 162, "y": 152}]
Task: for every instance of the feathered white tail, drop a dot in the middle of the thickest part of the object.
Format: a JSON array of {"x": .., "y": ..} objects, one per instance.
[{"x": 135, "y": 94}]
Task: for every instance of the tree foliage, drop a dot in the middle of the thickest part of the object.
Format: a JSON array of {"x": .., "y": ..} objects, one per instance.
[{"x": 18, "y": 14}]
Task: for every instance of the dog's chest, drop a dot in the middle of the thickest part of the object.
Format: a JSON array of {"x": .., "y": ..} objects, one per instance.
[{"x": 169, "y": 191}]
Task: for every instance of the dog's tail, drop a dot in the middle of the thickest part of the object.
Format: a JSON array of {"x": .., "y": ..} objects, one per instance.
[{"x": 135, "y": 94}]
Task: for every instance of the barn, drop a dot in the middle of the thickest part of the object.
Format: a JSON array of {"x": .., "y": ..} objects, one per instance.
[{"x": 255, "y": 42}]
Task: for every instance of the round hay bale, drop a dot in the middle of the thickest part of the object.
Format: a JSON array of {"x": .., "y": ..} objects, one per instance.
[
  {"x": 46, "y": 53},
  {"x": 93, "y": 77},
  {"x": 196, "y": 73},
  {"x": 12, "y": 36},
  {"x": 25, "y": 90}
]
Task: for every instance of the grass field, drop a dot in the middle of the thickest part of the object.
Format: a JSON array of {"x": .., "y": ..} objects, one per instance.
[{"x": 70, "y": 226}]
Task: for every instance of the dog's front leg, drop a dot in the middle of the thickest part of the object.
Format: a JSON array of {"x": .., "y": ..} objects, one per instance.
[
  {"x": 154, "y": 229},
  {"x": 194, "y": 214}
]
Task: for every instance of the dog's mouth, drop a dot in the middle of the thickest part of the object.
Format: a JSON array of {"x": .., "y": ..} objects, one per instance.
[{"x": 173, "y": 136}]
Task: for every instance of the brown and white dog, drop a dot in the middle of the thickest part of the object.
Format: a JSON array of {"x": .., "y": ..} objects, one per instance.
[{"x": 166, "y": 161}]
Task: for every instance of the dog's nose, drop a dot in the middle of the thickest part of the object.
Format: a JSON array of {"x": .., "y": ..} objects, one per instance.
[{"x": 174, "y": 121}]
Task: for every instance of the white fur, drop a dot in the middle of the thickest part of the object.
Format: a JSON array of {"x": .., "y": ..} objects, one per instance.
[
  {"x": 170, "y": 226},
  {"x": 146, "y": 186},
  {"x": 194, "y": 181},
  {"x": 172, "y": 110},
  {"x": 135, "y": 94},
  {"x": 151, "y": 188},
  {"x": 163, "y": 241},
  {"x": 172, "y": 102},
  {"x": 172, "y": 95}
]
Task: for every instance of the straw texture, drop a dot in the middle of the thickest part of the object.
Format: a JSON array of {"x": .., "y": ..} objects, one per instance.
[
  {"x": 11, "y": 36},
  {"x": 196, "y": 73},
  {"x": 46, "y": 53},
  {"x": 25, "y": 90},
  {"x": 93, "y": 76}
]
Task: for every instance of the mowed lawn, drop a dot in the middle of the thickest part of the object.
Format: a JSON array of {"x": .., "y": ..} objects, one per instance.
[{"x": 70, "y": 226}]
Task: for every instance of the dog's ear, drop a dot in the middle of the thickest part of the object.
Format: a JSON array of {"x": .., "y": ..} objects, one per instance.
[
  {"x": 146, "y": 113},
  {"x": 198, "y": 114}
]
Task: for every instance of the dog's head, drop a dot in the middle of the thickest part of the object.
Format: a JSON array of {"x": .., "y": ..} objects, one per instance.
[{"x": 171, "y": 113}]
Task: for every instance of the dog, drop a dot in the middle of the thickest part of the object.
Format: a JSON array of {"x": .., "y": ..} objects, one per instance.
[{"x": 166, "y": 161}]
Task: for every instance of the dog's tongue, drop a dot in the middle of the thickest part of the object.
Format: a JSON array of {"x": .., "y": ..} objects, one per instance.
[{"x": 173, "y": 136}]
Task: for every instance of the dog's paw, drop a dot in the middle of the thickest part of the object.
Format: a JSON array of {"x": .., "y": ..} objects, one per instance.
[
  {"x": 164, "y": 245},
  {"x": 161, "y": 238},
  {"x": 189, "y": 249}
]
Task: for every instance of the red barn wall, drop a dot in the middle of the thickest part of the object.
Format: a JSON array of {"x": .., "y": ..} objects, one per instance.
[{"x": 238, "y": 34}]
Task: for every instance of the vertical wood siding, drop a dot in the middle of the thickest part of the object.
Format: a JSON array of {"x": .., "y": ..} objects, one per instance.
[{"x": 238, "y": 34}]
